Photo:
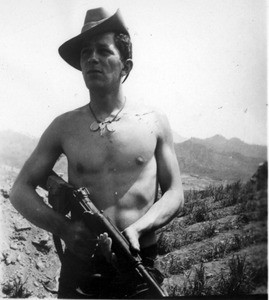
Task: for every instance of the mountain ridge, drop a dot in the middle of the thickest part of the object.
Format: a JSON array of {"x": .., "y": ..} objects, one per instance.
[
  {"x": 215, "y": 157},
  {"x": 219, "y": 158},
  {"x": 221, "y": 144}
]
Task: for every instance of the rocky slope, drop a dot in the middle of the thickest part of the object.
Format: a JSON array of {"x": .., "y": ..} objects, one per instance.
[{"x": 29, "y": 264}]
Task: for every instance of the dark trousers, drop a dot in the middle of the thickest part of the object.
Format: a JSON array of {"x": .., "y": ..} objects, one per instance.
[{"x": 99, "y": 279}]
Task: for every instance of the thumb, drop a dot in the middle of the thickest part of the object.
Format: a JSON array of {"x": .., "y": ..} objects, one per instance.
[
  {"x": 133, "y": 240},
  {"x": 134, "y": 245}
]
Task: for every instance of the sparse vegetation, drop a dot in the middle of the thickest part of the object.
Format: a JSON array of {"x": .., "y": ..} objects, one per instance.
[
  {"x": 239, "y": 279},
  {"x": 197, "y": 286},
  {"x": 218, "y": 244},
  {"x": 199, "y": 213},
  {"x": 16, "y": 288},
  {"x": 209, "y": 230},
  {"x": 194, "y": 284}
]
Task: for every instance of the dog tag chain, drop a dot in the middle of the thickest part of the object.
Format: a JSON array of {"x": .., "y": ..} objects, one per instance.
[{"x": 107, "y": 124}]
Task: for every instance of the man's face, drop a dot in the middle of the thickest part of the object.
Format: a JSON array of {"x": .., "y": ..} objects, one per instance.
[{"x": 100, "y": 62}]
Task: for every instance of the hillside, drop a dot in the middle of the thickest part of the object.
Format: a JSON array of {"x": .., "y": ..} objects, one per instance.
[
  {"x": 221, "y": 144},
  {"x": 215, "y": 158},
  {"x": 15, "y": 148},
  {"x": 219, "y": 158},
  {"x": 178, "y": 138},
  {"x": 218, "y": 243}
]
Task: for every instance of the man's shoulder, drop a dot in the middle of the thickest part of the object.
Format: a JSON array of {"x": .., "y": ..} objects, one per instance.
[
  {"x": 151, "y": 115},
  {"x": 69, "y": 117},
  {"x": 75, "y": 113},
  {"x": 140, "y": 109},
  {"x": 64, "y": 122},
  {"x": 156, "y": 115}
]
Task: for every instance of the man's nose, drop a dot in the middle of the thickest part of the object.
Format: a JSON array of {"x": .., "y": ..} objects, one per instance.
[{"x": 93, "y": 57}]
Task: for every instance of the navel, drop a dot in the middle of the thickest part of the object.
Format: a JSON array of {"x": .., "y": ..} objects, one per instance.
[{"x": 140, "y": 160}]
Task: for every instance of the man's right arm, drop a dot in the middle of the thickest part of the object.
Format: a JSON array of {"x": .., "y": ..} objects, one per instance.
[{"x": 25, "y": 199}]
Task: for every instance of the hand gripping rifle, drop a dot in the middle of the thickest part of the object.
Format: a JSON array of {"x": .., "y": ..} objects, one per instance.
[{"x": 63, "y": 197}]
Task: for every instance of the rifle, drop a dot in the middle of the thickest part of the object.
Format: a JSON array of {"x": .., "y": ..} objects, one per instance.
[{"x": 63, "y": 197}]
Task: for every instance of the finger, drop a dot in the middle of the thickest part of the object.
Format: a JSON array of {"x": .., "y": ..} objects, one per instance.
[
  {"x": 109, "y": 244},
  {"x": 134, "y": 245},
  {"x": 106, "y": 245},
  {"x": 103, "y": 236},
  {"x": 133, "y": 240},
  {"x": 105, "y": 248},
  {"x": 114, "y": 259}
]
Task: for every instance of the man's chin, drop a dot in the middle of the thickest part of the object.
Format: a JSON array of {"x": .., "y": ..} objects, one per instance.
[{"x": 95, "y": 83}]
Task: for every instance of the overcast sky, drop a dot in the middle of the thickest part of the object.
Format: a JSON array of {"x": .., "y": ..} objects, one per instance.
[{"x": 203, "y": 62}]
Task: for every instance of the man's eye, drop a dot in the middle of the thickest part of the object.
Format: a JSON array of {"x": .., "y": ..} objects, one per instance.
[
  {"x": 105, "y": 51},
  {"x": 84, "y": 52}
]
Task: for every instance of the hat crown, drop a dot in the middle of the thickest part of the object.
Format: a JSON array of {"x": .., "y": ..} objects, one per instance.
[{"x": 94, "y": 17}]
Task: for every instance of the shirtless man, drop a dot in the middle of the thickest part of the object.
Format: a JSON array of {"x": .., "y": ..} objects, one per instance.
[{"x": 118, "y": 151}]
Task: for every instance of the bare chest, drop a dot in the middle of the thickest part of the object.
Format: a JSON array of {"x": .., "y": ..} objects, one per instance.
[{"x": 131, "y": 143}]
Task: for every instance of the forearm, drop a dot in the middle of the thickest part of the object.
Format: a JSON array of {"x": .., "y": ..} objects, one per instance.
[
  {"x": 25, "y": 199},
  {"x": 161, "y": 213}
]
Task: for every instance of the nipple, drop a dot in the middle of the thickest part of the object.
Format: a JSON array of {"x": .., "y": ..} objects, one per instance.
[{"x": 140, "y": 160}]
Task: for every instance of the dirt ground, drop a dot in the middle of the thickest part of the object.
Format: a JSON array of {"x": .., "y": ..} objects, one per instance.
[{"x": 29, "y": 264}]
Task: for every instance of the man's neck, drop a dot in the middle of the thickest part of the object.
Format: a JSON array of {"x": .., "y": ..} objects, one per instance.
[{"x": 106, "y": 103}]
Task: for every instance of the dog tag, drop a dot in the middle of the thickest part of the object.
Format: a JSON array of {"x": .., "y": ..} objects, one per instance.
[
  {"x": 110, "y": 127},
  {"x": 102, "y": 127},
  {"x": 94, "y": 126}
]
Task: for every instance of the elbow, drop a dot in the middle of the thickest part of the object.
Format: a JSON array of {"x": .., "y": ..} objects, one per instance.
[
  {"x": 176, "y": 197},
  {"x": 13, "y": 194},
  {"x": 180, "y": 201},
  {"x": 16, "y": 193}
]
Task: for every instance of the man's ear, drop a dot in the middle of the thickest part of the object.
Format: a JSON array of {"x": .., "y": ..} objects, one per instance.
[{"x": 128, "y": 65}]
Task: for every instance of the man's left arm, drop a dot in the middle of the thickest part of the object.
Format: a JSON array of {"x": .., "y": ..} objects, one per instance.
[{"x": 172, "y": 200}]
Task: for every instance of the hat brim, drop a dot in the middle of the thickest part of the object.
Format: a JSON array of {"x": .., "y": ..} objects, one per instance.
[{"x": 71, "y": 49}]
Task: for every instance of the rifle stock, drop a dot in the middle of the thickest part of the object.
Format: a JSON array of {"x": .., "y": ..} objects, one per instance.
[{"x": 98, "y": 223}]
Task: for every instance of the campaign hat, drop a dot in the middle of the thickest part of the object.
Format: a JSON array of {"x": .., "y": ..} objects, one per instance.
[{"x": 97, "y": 21}]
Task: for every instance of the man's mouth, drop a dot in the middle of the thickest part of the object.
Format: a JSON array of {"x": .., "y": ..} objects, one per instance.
[{"x": 94, "y": 71}]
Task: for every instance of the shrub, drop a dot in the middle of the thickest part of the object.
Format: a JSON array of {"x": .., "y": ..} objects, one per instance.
[
  {"x": 197, "y": 286},
  {"x": 261, "y": 275},
  {"x": 200, "y": 213},
  {"x": 15, "y": 288},
  {"x": 164, "y": 243},
  {"x": 209, "y": 230},
  {"x": 192, "y": 195},
  {"x": 239, "y": 280}
]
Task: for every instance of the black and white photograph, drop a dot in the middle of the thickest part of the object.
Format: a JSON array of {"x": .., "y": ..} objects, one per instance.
[{"x": 133, "y": 149}]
